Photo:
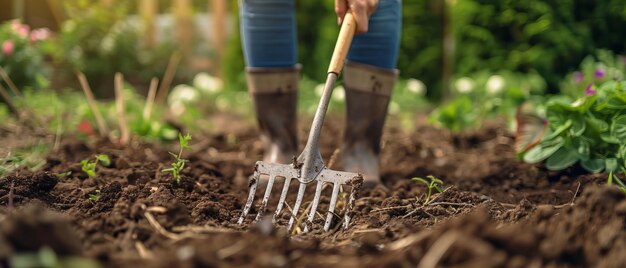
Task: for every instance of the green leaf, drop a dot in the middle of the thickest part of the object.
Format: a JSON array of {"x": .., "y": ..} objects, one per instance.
[
  {"x": 578, "y": 127},
  {"x": 597, "y": 124},
  {"x": 611, "y": 164},
  {"x": 104, "y": 159},
  {"x": 559, "y": 129},
  {"x": 543, "y": 150},
  {"x": 618, "y": 127},
  {"x": 582, "y": 148},
  {"x": 420, "y": 180},
  {"x": 562, "y": 158},
  {"x": 593, "y": 165},
  {"x": 184, "y": 141},
  {"x": 608, "y": 138}
]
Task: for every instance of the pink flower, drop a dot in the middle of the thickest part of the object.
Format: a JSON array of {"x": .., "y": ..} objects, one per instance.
[
  {"x": 8, "y": 47},
  {"x": 39, "y": 34},
  {"x": 590, "y": 90},
  {"x": 23, "y": 31},
  {"x": 15, "y": 25},
  {"x": 578, "y": 77},
  {"x": 599, "y": 73}
]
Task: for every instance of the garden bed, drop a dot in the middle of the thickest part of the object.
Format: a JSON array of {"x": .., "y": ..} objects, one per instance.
[{"x": 495, "y": 210}]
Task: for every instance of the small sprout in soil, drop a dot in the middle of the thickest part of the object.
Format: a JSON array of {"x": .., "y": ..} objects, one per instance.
[
  {"x": 434, "y": 183},
  {"x": 62, "y": 175},
  {"x": 95, "y": 196},
  {"x": 619, "y": 182},
  {"x": 179, "y": 163},
  {"x": 89, "y": 167}
]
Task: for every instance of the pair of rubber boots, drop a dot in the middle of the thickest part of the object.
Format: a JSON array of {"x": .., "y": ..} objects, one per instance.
[{"x": 368, "y": 89}]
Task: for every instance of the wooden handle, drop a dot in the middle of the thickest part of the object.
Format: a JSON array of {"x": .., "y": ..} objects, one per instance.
[{"x": 348, "y": 28}]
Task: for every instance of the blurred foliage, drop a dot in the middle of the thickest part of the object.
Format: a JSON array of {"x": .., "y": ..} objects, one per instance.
[
  {"x": 484, "y": 96},
  {"x": 594, "y": 70},
  {"x": 100, "y": 40},
  {"x": 546, "y": 36},
  {"x": 22, "y": 54}
]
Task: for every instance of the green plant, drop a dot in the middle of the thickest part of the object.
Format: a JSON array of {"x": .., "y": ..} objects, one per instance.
[
  {"x": 590, "y": 131},
  {"x": 485, "y": 95},
  {"x": 22, "y": 54},
  {"x": 619, "y": 182},
  {"x": 434, "y": 183},
  {"x": 89, "y": 167},
  {"x": 31, "y": 156},
  {"x": 95, "y": 196},
  {"x": 179, "y": 163}
]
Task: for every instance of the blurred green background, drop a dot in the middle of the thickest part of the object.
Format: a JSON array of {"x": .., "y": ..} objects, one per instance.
[{"x": 462, "y": 60}]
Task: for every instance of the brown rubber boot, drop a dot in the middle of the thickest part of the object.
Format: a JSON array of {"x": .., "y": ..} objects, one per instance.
[
  {"x": 274, "y": 94},
  {"x": 368, "y": 90}
]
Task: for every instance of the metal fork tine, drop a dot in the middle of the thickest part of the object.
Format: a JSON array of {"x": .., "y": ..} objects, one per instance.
[
  {"x": 266, "y": 197},
  {"x": 316, "y": 201},
  {"x": 296, "y": 206},
  {"x": 331, "y": 208},
  {"x": 253, "y": 184},
  {"x": 356, "y": 184},
  {"x": 283, "y": 196}
]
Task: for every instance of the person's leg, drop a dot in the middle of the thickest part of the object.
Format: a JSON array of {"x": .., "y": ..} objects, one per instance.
[
  {"x": 369, "y": 78},
  {"x": 268, "y": 34}
]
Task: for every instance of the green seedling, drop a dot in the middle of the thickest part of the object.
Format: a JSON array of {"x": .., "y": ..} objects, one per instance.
[
  {"x": 179, "y": 163},
  {"x": 62, "y": 175},
  {"x": 613, "y": 178},
  {"x": 434, "y": 183},
  {"x": 89, "y": 167},
  {"x": 95, "y": 196}
]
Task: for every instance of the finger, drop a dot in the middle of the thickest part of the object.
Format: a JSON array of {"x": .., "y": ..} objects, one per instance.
[
  {"x": 359, "y": 10},
  {"x": 373, "y": 5},
  {"x": 340, "y": 9}
]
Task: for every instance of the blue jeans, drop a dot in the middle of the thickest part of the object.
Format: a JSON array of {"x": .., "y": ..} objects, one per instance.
[{"x": 268, "y": 34}]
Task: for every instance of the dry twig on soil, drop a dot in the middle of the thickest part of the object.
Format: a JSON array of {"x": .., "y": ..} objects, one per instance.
[
  {"x": 102, "y": 128},
  {"x": 164, "y": 88},
  {"x": 121, "y": 114},
  {"x": 7, "y": 79},
  {"x": 147, "y": 110}
]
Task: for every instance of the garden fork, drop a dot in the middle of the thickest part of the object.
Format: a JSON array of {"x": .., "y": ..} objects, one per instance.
[{"x": 309, "y": 166}]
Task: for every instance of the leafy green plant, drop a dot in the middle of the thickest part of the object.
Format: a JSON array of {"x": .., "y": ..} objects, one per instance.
[
  {"x": 590, "y": 131},
  {"x": 433, "y": 184},
  {"x": 486, "y": 95},
  {"x": 89, "y": 167},
  {"x": 179, "y": 163}
]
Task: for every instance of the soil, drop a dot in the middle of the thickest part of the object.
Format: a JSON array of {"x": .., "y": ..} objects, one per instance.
[{"x": 495, "y": 211}]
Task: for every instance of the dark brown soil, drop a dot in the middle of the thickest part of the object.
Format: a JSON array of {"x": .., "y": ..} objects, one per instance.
[{"x": 495, "y": 211}]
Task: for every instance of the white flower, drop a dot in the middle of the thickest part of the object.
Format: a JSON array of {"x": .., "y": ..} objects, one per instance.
[
  {"x": 207, "y": 83},
  {"x": 108, "y": 44},
  {"x": 416, "y": 86},
  {"x": 495, "y": 84},
  {"x": 319, "y": 89},
  {"x": 339, "y": 94},
  {"x": 464, "y": 85},
  {"x": 183, "y": 94}
]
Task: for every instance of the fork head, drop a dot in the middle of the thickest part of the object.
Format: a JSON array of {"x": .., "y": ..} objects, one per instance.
[{"x": 292, "y": 171}]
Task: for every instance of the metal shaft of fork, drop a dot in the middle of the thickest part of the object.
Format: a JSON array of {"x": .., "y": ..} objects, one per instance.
[{"x": 311, "y": 159}]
